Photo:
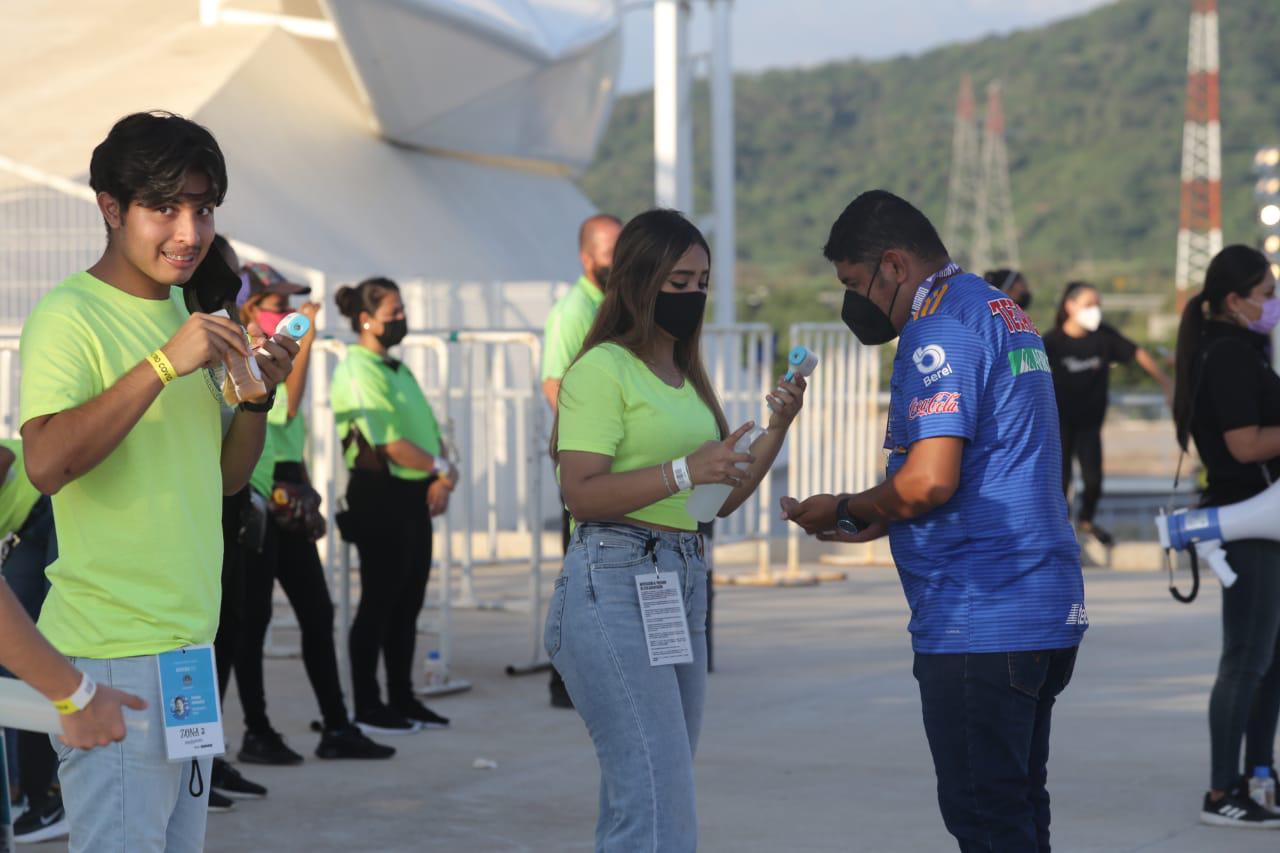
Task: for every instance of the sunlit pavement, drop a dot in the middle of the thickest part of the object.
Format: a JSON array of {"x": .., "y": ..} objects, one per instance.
[{"x": 813, "y": 739}]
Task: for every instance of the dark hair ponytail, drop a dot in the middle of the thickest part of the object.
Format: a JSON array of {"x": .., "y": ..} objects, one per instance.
[
  {"x": 1236, "y": 269},
  {"x": 1069, "y": 294},
  {"x": 365, "y": 297},
  {"x": 1001, "y": 279}
]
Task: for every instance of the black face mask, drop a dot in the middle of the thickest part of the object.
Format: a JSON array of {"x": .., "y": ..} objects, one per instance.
[
  {"x": 1023, "y": 301},
  {"x": 678, "y": 314},
  {"x": 869, "y": 324},
  {"x": 601, "y": 275},
  {"x": 393, "y": 332}
]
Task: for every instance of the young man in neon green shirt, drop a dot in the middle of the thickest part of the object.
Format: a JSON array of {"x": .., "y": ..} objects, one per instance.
[
  {"x": 567, "y": 326},
  {"x": 121, "y": 425}
]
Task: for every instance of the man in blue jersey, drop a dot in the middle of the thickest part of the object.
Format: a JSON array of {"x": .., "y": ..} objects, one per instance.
[{"x": 974, "y": 511}]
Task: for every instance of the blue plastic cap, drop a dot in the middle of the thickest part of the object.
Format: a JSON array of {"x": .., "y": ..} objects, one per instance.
[
  {"x": 433, "y": 656},
  {"x": 798, "y": 355},
  {"x": 1262, "y": 772},
  {"x": 298, "y": 326}
]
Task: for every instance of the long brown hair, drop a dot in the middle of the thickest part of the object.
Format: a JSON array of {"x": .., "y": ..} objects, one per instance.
[
  {"x": 1236, "y": 269},
  {"x": 648, "y": 249}
]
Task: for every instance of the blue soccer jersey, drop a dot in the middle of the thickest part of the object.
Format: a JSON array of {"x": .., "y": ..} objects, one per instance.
[{"x": 996, "y": 568}]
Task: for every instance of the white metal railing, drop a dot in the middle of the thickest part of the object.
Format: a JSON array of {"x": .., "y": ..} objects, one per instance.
[
  {"x": 838, "y": 437},
  {"x": 739, "y": 360}
]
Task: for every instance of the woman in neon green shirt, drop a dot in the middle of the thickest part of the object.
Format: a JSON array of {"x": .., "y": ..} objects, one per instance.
[
  {"x": 400, "y": 478},
  {"x": 638, "y": 425}
]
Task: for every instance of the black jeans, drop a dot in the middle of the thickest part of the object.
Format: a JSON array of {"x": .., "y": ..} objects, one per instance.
[
  {"x": 24, "y": 571},
  {"x": 1245, "y": 702},
  {"x": 292, "y": 559},
  {"x": 987, "y": 719},
  {"x": 557, "y": 683},
  {"x": 1085, "y": 444},
  {"x": 394, "y": 545},
  {"x": 231, "y": 614}
]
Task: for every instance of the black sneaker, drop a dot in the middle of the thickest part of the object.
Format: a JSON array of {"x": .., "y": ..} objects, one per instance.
[
  {"x": 1239, "y": 811},
  {"x": 226, "y": 780},
  {"x": 267, "y": 748},
  {"x": 219, "y": 803},
  {"x": 43, "y": 823},
  {"x": 350, "y": 742},
  {"x": 1105, "y": 539},
  {"x": 416, "y": 712},
  {"x": 381, "y": 720}
]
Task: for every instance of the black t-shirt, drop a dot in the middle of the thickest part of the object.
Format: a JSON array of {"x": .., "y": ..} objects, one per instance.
[
  {"x": 1235, "y": 387},
  {"x": 1080, "y": 370}
]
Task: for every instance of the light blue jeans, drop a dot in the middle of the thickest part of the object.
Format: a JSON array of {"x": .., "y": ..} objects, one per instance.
[
  {"x": 128, "y": 797},
  {"x": 644, "y": 720}
]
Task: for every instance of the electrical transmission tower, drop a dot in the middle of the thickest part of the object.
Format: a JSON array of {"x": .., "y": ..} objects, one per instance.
[
  {"x": 997, "y": 239},
  {"x": 961, "y": 225},
  {"x": 1200, "y": 222},
  {"x": 979, "y": 229}
]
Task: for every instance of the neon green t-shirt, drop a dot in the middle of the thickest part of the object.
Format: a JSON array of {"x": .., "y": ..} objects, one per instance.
[
  {"x": 611, "y": 403},
  {"x": 289, "y": 434},
  {"x": 264, "y": 473},
  {"x": 384, "y": 401},
  {"x": 17, "y": 495},
  {"x": 140, "y": 535},
  {"x": 567, "y": 326}
]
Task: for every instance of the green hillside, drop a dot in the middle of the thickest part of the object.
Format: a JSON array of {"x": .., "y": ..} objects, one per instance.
[{"x": 1094, "y": 108}]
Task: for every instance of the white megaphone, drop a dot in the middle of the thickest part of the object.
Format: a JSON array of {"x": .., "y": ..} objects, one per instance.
[{"x": 1205, "y": 529}]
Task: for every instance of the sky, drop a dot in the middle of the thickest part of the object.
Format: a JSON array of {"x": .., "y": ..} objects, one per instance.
[{"x": 794, "y": 33}]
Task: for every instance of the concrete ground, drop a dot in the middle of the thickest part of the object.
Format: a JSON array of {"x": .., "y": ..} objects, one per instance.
[{"x": 813, "y": 739}]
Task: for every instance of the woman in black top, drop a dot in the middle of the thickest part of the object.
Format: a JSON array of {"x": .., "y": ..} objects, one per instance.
[
  {"x": 1081, "y": 350},
  {"x": 1228, "y": 400}
]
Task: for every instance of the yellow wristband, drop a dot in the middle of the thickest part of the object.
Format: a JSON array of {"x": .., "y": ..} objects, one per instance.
[
  {"x": 80, "y": 699},
  {"x": 162, "y": 366}
]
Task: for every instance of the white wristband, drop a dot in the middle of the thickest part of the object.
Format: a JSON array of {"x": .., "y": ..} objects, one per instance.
[
  {"x": 79, "y": 700},
  {"x": 442, "y": 467},
  {"x": 680, "y": 469}
]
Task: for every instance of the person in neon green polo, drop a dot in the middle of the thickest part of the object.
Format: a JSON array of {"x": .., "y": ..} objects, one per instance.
[
  {"x": 400, "y": 479},
  {"x": 567, "y": 326},
  {"x": 29, "y": 546}
]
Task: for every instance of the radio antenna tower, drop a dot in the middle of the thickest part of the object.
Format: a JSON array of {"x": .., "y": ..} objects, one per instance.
[
  {"x": 960, "y": 228},
  {"x": 1200, "y": 222},
  {"x": 997, "y": 237}
]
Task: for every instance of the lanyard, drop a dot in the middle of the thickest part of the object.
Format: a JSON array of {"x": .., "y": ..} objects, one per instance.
[{"x": 949, "y": 271}]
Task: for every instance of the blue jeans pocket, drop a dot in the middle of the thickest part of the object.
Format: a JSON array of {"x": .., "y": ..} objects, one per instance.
[
  {"x": 1028, "y": 671},
  {"x": 555, "y": 617}
]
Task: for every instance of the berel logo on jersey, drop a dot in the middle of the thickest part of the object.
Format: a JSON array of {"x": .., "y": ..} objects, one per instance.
[
  {"x": 1015, "y": 319},
  {"x": 942, "y": 403},
  {"x": 931, "y": 361}
]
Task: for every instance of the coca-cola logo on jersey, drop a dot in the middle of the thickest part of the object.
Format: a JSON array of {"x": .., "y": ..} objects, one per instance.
[{"x": 942, "y": 403}]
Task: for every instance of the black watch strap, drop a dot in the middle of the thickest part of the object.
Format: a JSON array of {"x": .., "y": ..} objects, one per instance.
[
  {"x": 845, "y": 522},
  {"x": 260, "y": 408}
]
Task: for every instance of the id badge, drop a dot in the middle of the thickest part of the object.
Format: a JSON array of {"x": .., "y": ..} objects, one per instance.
[
  {"x": 192, "y": 713},
  {"x": 666, "y": 631}
]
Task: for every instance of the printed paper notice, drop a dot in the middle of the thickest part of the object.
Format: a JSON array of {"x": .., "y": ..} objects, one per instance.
[{"x": 665, "y": 628}]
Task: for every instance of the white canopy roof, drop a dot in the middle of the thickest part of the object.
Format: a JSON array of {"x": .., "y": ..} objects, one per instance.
[{"x": 309, "y": 178}]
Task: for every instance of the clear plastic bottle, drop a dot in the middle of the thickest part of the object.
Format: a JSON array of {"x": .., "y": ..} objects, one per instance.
[
  {"x": 1262, "y": 788},
  {"x": 433, "y": 670},
  {"x": 705, "y": 500}
]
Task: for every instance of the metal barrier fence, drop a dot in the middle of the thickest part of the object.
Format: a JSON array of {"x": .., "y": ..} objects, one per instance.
[{"x": 837, "y": 439}]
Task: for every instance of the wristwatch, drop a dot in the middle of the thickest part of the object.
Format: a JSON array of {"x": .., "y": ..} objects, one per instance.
[
  {"x": 79, "y": 700},
  {"x": 260, "y": 408},
  {"x": 845, "y": 522}
]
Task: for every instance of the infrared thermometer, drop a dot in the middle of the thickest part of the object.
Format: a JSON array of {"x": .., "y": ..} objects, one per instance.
[
  {"x": 801, "y": 361},
  {"x": 244, "y": 376}
]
